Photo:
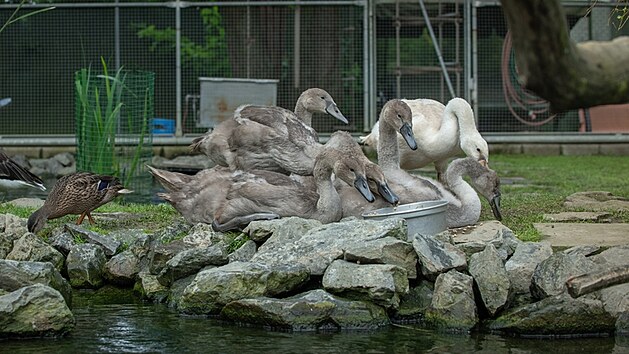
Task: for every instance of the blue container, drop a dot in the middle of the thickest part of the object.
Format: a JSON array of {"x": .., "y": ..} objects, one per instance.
[{"x": 163, "y": 126}]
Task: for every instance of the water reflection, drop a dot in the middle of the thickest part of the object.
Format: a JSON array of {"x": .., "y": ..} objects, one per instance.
[{"x": 123, "y": 324}]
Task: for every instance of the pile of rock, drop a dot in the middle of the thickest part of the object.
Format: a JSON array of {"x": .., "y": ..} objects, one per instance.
[{"x": 300, "y": 275}]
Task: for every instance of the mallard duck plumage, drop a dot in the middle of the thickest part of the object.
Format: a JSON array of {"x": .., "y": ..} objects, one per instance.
[
  {"x": 77, "y": 193},
  {"x": 13, "y": 175}
]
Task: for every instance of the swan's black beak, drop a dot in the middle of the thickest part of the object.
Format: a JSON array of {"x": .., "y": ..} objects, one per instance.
[
  {"x": 335, "y": 112},
  {"x": 495, "y": 207},
  {"x": 407, "y": 134},
  {"x": 361, "y": 184},
  {"x": 387, "y": 193}
]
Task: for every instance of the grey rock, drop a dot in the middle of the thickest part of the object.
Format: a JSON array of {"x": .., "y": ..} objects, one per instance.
[
  {"x": 12, "y": 225},
  {"x": 160, "y": 254},
  {"x": 613, "y": 256},
  {"x": 149, "y": 288},
  {"x": 189, "y": 262},
  {"x": 312, "y": 311},
  {"x": 35, "y": 203},
  {"x": 244, "y": 253},
  {"x": 123, "y": 268},
  {"x": 491, "y": 278},
  {"x": 413, "y": 305},
  {"x": 260, "y": 231},
  {"x": 18, "y": 274},
  {"x": 12, "y": 228},
  {"x": 85, "y": 265},
  {"x": 319, "y": 246},
  {"x": 175, "y": 292},
  {"x": 31, "y": 248},
  {"x": 453, "y": 306},
  {"x": 596, "y": 201},
  {"x": 584, "y": 250},
  {"x": 436, "y": 257},
  {"x": 549, "y": 277},
  {"x": 494, "y": 232},
  {"x": 213, "y": 288},
  {"x": 521, "y": 266},
  {"x": 622, "y": 324},
  {"x": 34, "y": 311},
  {"x": 387, "y": 250},
  {"x": 202, "y": 235},
  {"x": 62, "y": 241},
  {"x": 65, "y": 159},
  {"x": 382, "y": 284},
  {"x": 109, "y": 245},
  {"x": 556, "y": 315},
  {"x": 615, "y": 299}
]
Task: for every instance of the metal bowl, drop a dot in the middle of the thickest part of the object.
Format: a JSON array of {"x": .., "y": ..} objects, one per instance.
[{"x": 426, "y": 218}]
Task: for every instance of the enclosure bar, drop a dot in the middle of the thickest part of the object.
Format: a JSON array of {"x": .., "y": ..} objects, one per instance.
[
  {"x": 474, "y": 58},
  {"x": 117, "y": 36},
  {"x": 524, "y": 138},
  {"x": 178, "y": 76},
  {"x": 369, "y": 89},
  {"x": 437, "y": 50},
  {"x": 185, "y": 4},
  {"x": 398, "y": 63},
  {"x": 467, "y": 51},
  {"x": 297, "y": 47}
]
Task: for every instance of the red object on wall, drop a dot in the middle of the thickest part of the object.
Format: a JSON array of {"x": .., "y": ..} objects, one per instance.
[{"x": 605, "y": 119}]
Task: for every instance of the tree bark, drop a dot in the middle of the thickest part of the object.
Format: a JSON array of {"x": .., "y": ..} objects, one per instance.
[{"x": 567, "y": 74}]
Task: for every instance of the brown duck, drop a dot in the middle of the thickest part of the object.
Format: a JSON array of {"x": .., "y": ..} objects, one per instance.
[{"x": 78, "y": 193}]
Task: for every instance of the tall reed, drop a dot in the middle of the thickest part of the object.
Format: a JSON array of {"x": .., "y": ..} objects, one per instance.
[{"x": 100, "y": 106}]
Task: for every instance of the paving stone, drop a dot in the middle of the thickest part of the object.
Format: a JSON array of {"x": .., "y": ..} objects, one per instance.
[
  {"x": 577, "y": 216},
  {"x": 577, "y": 234}
]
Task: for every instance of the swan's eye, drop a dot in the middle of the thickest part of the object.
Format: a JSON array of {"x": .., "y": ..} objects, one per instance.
[
  {"x": 323, "y": 98},
  {"x": 399, "y": 116},
  {"x": 478, "y": 149}
]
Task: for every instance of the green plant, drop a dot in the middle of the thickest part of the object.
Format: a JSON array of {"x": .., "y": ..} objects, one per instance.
[
  {"x": 99, "y": 120},
  {"x": 209, "y": 58},
  {"x": 13, "y": 19}
]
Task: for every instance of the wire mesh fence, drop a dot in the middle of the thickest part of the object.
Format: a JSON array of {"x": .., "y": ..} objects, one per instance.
[
  {"x": 114, "y": 113},
  {"x": 361, "y": 60}
]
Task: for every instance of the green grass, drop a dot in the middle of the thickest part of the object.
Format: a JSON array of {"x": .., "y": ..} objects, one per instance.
[{"x": 545, "y": 183}]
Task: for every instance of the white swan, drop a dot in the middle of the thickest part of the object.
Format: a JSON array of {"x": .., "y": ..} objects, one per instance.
[
  {"x": 266, "y": 121},
  {"x": 463, "y": 202},
  {"x": 441, "y": 132}
]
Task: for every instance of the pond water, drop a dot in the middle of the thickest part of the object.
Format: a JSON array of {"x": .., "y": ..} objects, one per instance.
[{"x": 111, "y": 321}]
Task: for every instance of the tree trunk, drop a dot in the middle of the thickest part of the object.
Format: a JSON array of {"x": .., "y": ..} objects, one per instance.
[{"x": 567, "y": 74}]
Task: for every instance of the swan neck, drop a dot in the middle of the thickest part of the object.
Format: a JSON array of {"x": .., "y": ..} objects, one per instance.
[
  {"x": 303, "y": 114},
  {"x": 329, "y": 203},
  {"x": 388, "y": 151}
]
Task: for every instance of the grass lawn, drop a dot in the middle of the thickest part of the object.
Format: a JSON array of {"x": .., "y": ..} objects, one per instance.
[
  {"x": 532, "y": 186},
  {"x": 536, "y": 185}
]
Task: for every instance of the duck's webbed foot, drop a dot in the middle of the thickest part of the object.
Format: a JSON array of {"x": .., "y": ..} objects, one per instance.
[{"x": 240, "y": 222}]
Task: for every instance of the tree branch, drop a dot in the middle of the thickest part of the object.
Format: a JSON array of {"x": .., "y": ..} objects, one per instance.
[{"x": 567, "y": 74}]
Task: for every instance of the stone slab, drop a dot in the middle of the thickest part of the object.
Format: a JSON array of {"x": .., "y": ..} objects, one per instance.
[
  {"x": 578, "y": 234},
  {"x": 577, "y": 216}
]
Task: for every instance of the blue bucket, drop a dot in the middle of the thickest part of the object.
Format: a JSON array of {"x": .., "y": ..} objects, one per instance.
[{"x": 163, "y": 126}]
